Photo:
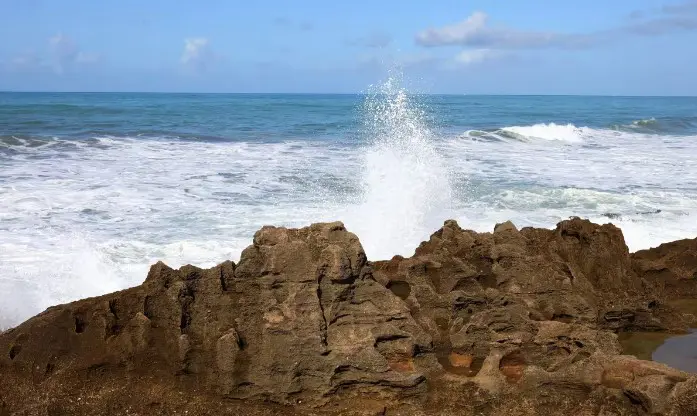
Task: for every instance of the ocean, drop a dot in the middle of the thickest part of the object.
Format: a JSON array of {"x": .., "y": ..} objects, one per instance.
[{"x": 94, "y": 188}]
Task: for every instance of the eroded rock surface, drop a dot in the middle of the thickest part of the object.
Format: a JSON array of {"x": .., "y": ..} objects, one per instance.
[
  {"x": 671, "y": 265},
  {"x": 510, "y": 322}
]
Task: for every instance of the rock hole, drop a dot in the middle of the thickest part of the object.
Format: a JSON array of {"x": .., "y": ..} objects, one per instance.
[
  {"x": 563, "y": 317},
  {"x": 49, "y": 369},
  {"x": 185, "y": 321},
  {"x": 79, "y": 325},
  {"x": 442, "y": 322},
  {"x": 461, "y": 364},
  {"x": 241, "y": 342},
  {"x": 579, "y": 344},
  {"x": 14, "y": 351},
  {"x": 465, "y": 284},
  {"x": 323, "y": 333},
  {"x": 97, "y": 370},
  {"x": 512, "y": 366},
  {"x": 487, "y": 280},
  {"x": 186, "y": 298},
  {"x": 113, "y": 327},
  {"x": 653, "y": 304},
  {"x": 148, "y": 307},
  {"x": 583, "y": 355},
  {"x": 420, "y": 350},
  {"x": 636, "y": 399},
  {"x": 571, "y": 234},
  {"x": 401, "y": 363},
  {"x": 400, "y": 288},
  {"x": 223, "y": 284},
  {"x": 389, "y": 338},
  {"x": 112, "y": 307}
]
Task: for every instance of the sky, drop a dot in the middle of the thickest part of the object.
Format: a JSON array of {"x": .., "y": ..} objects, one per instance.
[{"x": 608, "y": 47}]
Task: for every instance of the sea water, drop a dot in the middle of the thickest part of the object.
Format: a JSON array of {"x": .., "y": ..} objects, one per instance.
[{"x": 96, "y": 187}]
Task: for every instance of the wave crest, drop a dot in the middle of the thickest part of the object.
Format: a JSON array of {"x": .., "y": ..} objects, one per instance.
[
  {"x": 550, "y": 131},
  {"x": 567, "y": 133}
]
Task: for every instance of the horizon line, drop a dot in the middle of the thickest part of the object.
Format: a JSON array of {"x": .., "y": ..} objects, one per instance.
[{"x": 352, "y": 93}]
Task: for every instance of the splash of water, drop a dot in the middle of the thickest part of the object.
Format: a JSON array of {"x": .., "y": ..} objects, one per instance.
[{"x": 406, "y": 190}]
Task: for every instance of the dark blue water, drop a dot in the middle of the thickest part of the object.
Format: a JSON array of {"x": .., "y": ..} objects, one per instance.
[{"x": 273, "y": 117}]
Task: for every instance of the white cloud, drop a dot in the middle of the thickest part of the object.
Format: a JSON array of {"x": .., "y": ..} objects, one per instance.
[
  {"x": 457, "y": 33},
  {"x": 197, "y": 54},
  {"x": 475, "y": 56},
  {"x": 475, "y": 32}
]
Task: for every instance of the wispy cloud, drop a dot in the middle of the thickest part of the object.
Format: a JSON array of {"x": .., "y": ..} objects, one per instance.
[
  {"x": 25, "y": 61},
  {"x": 679, "y": 8},
  {"x": 198, "y": 55},
  {"x": 482, "y": 41},
  {"x": 476, "y": 56},
  {"x": 66, "y": 53},
  {"x": 662, "y": 26},
  {"x": 476, "y": 32},
  {"x": 669, "y": 18},
  {"x": 63, "y": 54},
  {"x": 373, "y": 40}
]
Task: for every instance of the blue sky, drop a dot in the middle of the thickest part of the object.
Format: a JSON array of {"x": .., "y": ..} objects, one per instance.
[{"x": 610, "y": 47}]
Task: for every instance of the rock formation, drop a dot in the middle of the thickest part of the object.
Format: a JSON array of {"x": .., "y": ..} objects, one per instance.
[
  {"x": 516, "y": 322},
  {"x": 673, "y": 266}
]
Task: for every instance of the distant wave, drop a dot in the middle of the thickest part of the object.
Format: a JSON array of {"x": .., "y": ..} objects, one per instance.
[
  {"x": 572, "y": 134},
  {"x": 647, "y": 122},
  {"x": 666, "y": 125},
  {"x": 17, "y": 143},
  {"x": 568, "y": 133},
  {"x": 13, "y": 143},
  {"x": 550, "y": 131}
]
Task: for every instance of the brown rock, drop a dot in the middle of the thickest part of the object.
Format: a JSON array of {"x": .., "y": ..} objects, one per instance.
[
  {"x": 518, "y": 322},
  {"x": 673, "y": 265}
]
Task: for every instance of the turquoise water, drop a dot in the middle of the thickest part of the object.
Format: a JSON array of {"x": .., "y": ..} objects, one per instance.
[{"x": 95, "y": 187}]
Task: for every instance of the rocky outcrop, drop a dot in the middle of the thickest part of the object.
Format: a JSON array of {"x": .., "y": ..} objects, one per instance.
[
  {"x": 673, "y": 266},
  {"x": 517, "y": 322}
]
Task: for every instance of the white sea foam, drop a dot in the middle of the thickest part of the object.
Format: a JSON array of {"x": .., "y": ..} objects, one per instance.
[
  {"x": 561, "y": 132},
  {"x": 406, "y": 190},
  {"x": 85, "y": 218}
]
